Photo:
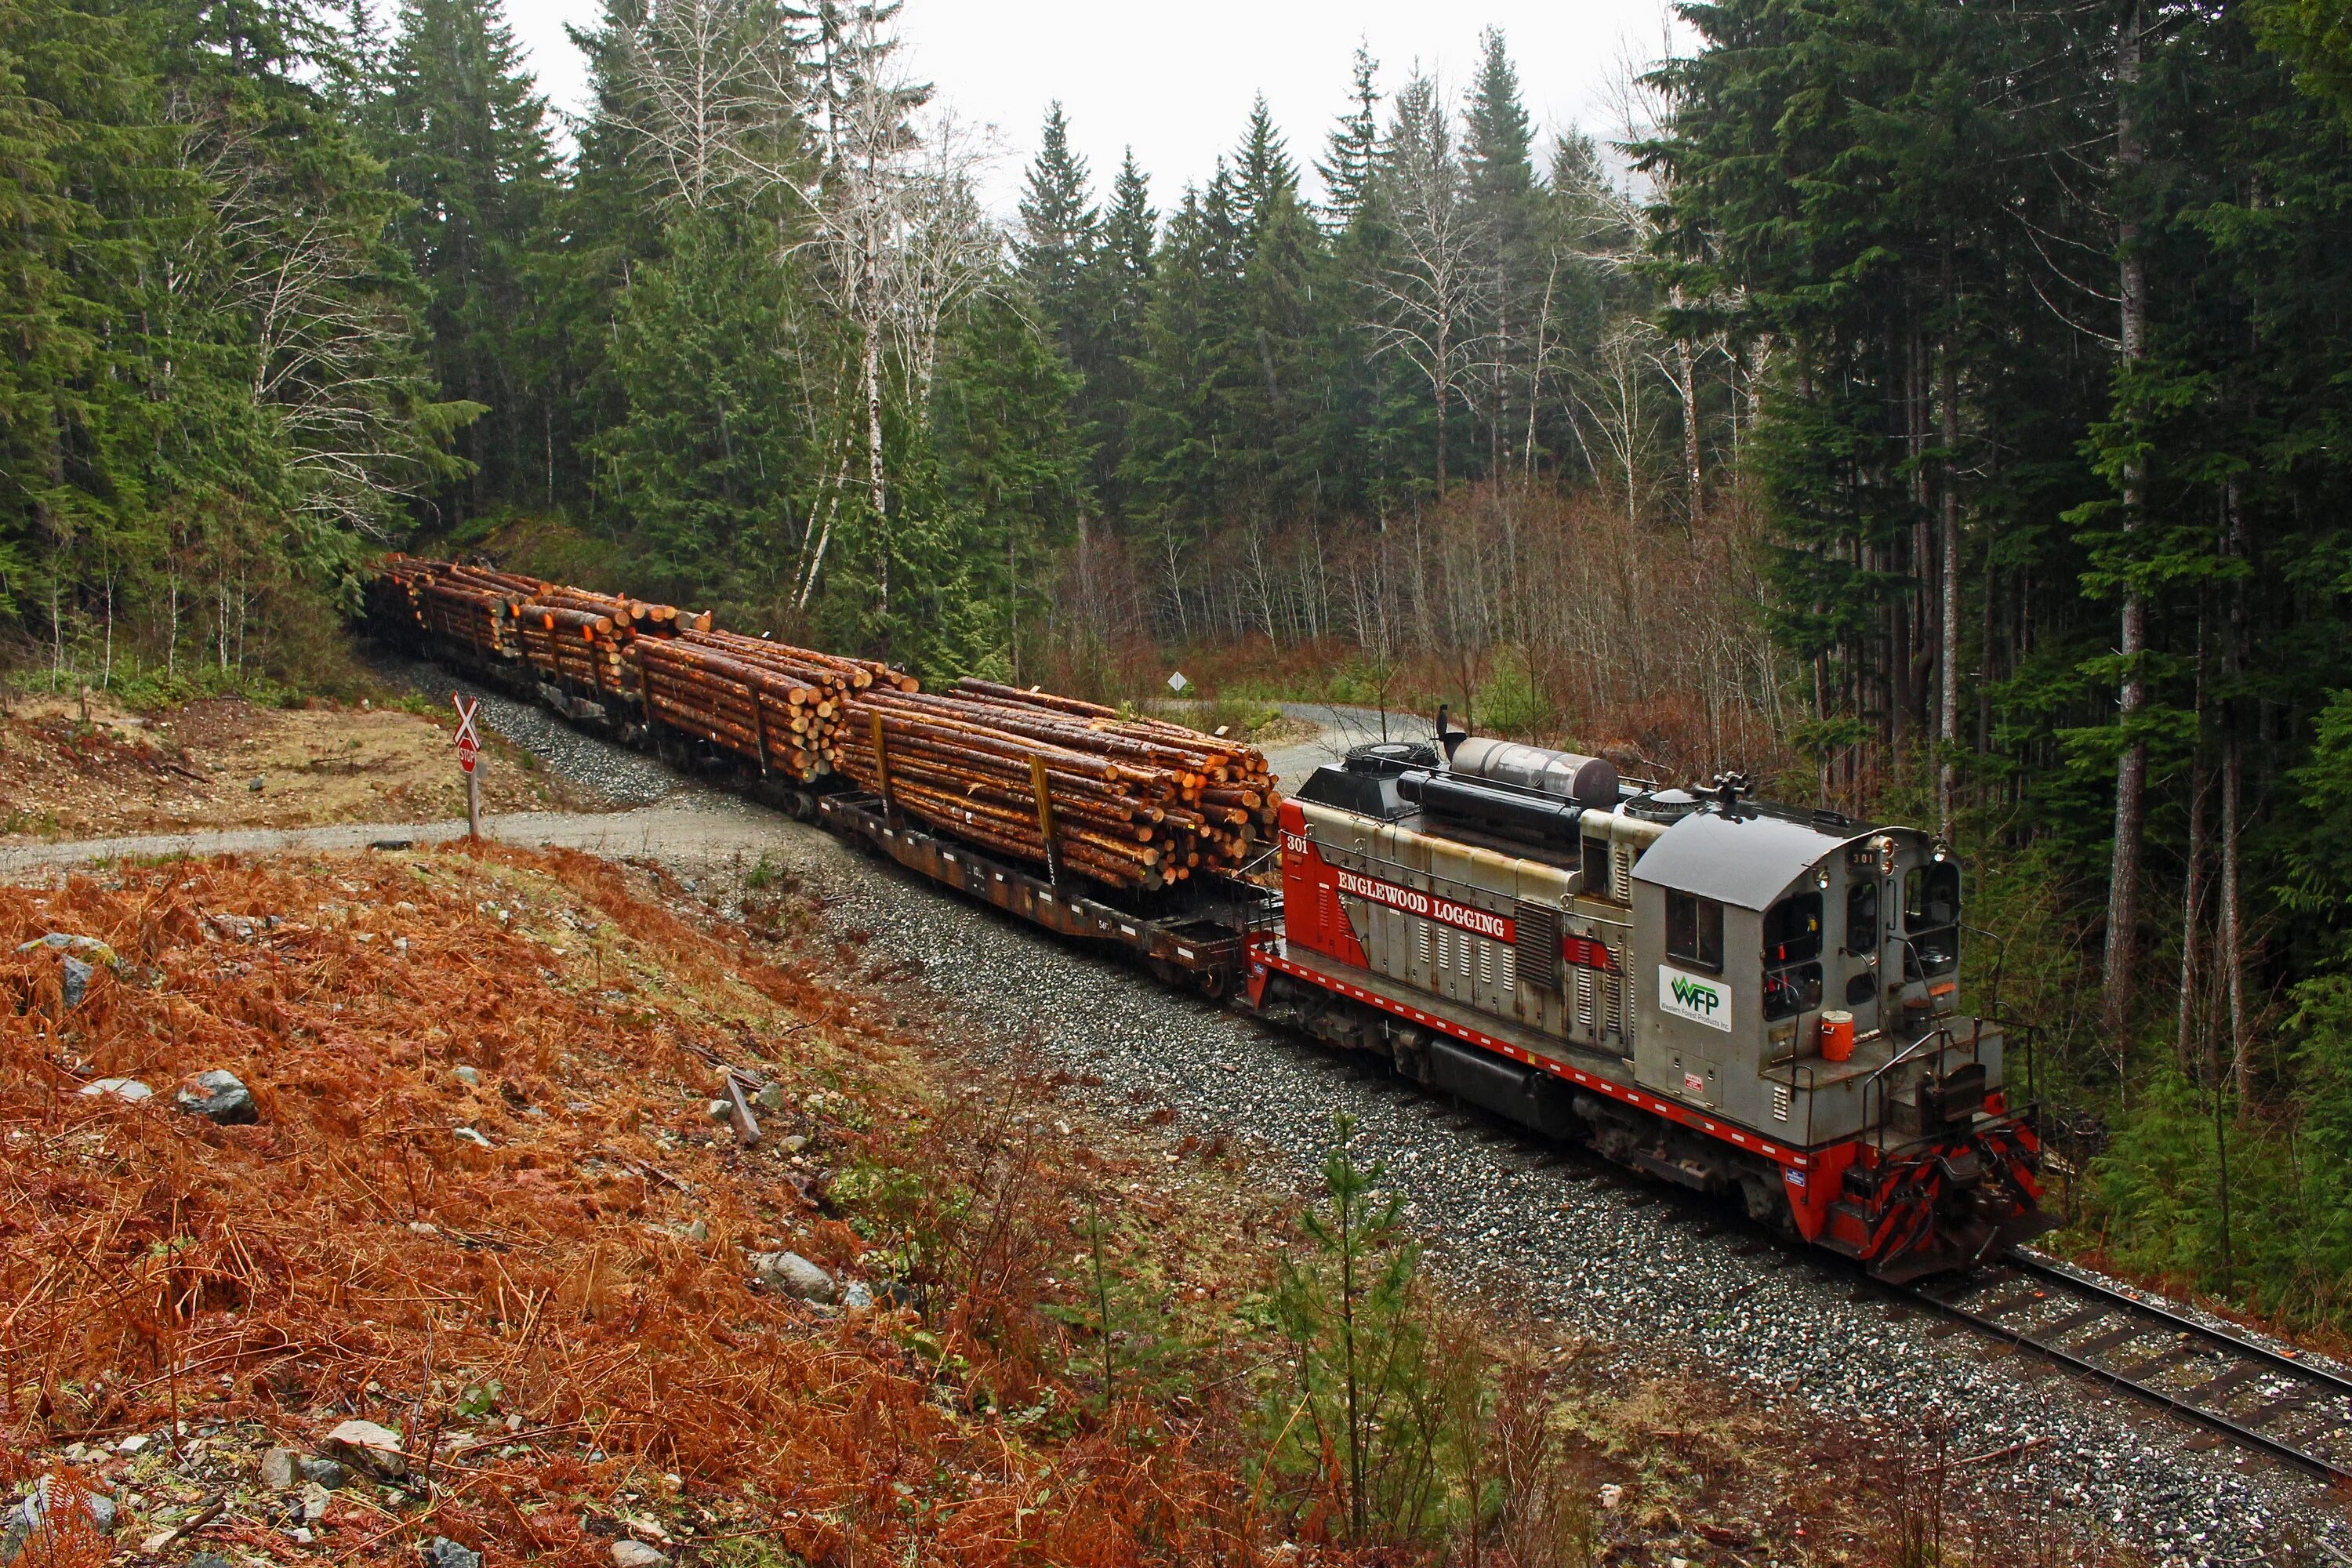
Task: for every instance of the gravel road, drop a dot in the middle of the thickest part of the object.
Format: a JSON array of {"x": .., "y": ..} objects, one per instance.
[{"x": 1665, "y": 1283}]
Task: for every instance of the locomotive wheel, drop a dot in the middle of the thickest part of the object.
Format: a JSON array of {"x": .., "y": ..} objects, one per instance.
[{"x": 1213, "y": 983}]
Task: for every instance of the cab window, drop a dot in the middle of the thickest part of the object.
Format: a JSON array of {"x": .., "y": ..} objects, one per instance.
[
  {"x": 1792, "y": 930},
  {"x": 1862, "y": 917},
  {"x": 1791, "y": 990},
  {"x": 1931, "y": 918},
  {"x": 1695, "y": 932},
  {"x": 1793, "y": 936}
]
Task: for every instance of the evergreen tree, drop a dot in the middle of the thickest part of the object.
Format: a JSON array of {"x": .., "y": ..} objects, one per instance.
[
  {"x": 1059, "y": 228},
  {"x": 469, "y": 148},
  {"x": 1501, "y": 201},
  {"x": 1352, "y": 149}
]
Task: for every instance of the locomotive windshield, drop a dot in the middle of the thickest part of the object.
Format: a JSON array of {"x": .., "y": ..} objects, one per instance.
[
  {"x": 1792, "y": 934},
  {"x": 1931, "y": 916}
]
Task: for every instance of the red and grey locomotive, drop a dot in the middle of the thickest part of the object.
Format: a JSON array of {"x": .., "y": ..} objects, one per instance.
[{"x": 1730, "y": 995}]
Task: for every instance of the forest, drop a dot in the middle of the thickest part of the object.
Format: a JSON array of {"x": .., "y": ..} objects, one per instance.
[{"x": 1938, "y": 410}]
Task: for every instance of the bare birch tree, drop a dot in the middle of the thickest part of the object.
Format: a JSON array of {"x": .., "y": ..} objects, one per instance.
[
  {"x": 901, "y": 239},
  {"x": 710, "y": 89},
  {"x": 1424, "y": 305}
]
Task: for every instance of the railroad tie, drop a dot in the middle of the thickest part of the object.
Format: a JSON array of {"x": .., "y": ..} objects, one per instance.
[
  {"x": 2072, "y": 1321},
  {"x": 2107, "y": 1341},
  {"x": 2140, "y": 1371},
  {"x": 2285, "y": 1404},
  {"x": 2002, "y": 1306},
  {"x": 2229, "y": 1378}
]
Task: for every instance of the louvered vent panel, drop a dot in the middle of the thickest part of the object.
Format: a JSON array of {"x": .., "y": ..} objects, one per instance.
[{"x": 1538, "y": 941}]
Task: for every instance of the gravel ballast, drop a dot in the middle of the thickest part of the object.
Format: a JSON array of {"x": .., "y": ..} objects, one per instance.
[{"x": 1665, "y": 1281}]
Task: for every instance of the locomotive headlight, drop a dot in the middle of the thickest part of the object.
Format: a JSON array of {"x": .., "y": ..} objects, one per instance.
[
  {"x": 1943, "y": 852},
  {"x": 1821, "y": 878}
]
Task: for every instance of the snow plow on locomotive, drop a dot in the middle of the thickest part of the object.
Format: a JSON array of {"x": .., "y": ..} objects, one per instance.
[{"x": 1733, "y": 996}]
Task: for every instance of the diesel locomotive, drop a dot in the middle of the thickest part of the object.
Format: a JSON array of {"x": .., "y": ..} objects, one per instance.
[{"x": 1734, "y": 996}]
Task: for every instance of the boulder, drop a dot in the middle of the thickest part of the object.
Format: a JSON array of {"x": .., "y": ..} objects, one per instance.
[
  {"x": 281, "y": 1470},
  {"x": 636, "y": 1555},
  {"x": 326, "y": 1474},
  {"x": 444, "y": 1552},
  {"x": 23, "y": 1525},
  {"x": 790, "y": 1274},
  {"x": 364, "y": 1446},
  {"x": 217, "y": 1096}
]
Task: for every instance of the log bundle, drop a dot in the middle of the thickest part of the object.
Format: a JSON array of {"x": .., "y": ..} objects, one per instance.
[
  {"x": 1136, "y": 803},
  {"x": 1133, "y": 803},
  {"x": 775, "y": 705}
]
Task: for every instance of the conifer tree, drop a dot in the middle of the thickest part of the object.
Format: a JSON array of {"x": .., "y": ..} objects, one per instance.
[
  {"x": 469, "y": 147},
  {"x": 1059, "y": 227}
]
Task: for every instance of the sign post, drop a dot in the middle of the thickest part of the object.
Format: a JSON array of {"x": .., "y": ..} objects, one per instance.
[{"x": 469, "y": 747}]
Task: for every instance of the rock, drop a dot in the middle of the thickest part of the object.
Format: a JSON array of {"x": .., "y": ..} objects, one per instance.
[
  {"x": 255, "y": 784},
  {"x": 1611, "y": 1495},
  {"x": 467, "y": 1135},
  {"x": 793, "y": 1144},
  {"x": 88, "y": 947},
  {"x": 315, "y": 1502},
  {"x": 770, "y": 1098},
  {"x": 792, "y": 1274},
  {"x": 21, "y": 1526},
  {"x": 76, "y": 980},
  {"x": 209, "y": 1560},
  {"x": 719, "y": 1109},
  {"x": 698, "y": 1231},
  {"x": 636, "y": 1555},
  {"x": 470, "y": 1077},
  {"x": 126, "y": 1088},
  {"x": 281, "y": 1470},
  {"x": 217, "y": 1096},
  {"x": 857, "y": 1296},
  {"x": 326, "y": 1474},
  {"x": 367, "y": 1447},
  {"x": 136, "y": 1443},
  {"x": 444, "y": 1552}
]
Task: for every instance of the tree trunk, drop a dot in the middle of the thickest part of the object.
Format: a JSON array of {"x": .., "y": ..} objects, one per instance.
[
  {"x": 875, "y": 494},
  {"x": 2192, "y": 886},
  {"x": 1947, "y": 651},
  {"x": 2131, "y": 763},
  {"x": 2233, "y": 774}
]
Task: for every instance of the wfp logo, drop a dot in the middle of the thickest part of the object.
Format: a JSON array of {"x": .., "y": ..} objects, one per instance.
[
  {"x": 1690, "y": 996},
  {"x": 1697, "y": 997}
]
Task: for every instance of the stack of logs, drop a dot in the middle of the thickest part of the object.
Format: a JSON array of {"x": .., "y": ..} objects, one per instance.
[
  {"x": 777, "y": 706},
  {"x": 1136, "y": 803},
  {"x": 583, "y": 638},
  {"x": 470, "y": 606}
]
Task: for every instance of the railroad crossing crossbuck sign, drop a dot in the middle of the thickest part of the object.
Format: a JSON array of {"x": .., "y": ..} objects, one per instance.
[{"x": 469, "y": 741}]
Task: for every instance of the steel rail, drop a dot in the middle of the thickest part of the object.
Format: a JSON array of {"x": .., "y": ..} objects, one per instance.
[{"x": 2127, "y": 1304}]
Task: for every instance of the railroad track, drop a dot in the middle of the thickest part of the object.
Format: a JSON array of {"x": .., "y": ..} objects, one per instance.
[{"x": 2273, "y": 1400}]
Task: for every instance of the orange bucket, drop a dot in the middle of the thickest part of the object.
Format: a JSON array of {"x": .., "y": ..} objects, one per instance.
[{"x": 1837, "y": 1036}]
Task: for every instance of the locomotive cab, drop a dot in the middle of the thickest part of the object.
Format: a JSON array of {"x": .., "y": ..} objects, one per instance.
[{"x": 1763, "y": 921}]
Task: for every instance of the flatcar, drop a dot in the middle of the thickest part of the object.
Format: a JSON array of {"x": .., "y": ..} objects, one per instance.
[{"x": 1733, "y": 996}]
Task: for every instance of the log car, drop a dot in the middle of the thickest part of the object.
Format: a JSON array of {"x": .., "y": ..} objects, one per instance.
[{"x": 1730, "y": 995}]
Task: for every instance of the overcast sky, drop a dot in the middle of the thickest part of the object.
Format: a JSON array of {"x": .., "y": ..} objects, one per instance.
[{"x": 1175, "y": 79}]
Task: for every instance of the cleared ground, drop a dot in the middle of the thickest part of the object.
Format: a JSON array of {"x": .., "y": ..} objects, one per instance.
[{"x": 67, "y": 776}]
